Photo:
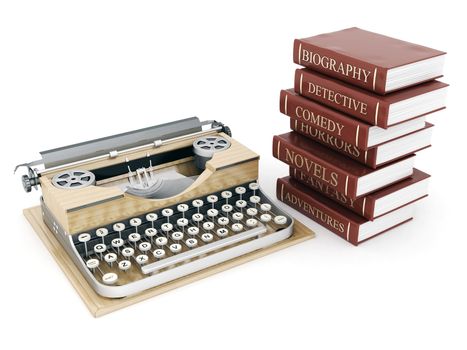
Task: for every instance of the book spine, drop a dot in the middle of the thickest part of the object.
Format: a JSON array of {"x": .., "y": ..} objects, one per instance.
[
  {"x": 314, "y": 166},
  {"x": 363, "y": 206},
  {"x": 317, "y": 211},
  {"x": 366, "y": 157},
  {"x": 339, "y": 96},
  {"x": 342, "y": 67},
  {"x": 325, "y": 119}
]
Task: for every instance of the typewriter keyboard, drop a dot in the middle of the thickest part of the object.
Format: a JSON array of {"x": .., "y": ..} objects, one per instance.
[{"x": 159, "y": 241}]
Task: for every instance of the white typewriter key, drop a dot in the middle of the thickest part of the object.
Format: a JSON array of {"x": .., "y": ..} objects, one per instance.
[
  {"x": 237, "y": 216},
  {"x": 252, "y": 222},
  {"x": 226, "y": 195},
  {"x": 240, "y": 190},
  {"x": 159, "y": 253},
  {"x": 142, "y": 259},
  {"x": 110, "y": 258},
  {"x": 100, "y": 248},
  {"x": 150, "y": 232},
  {"x": 193, "y": 231},
  {"x": 252, "y": 211},
  {"x": 117, "y": 243},
  {"x": 182, "y": 222},
  {"x": 191, "y": 242},
  {"x": 255, "y": 199},
  {"x": 227, "y": 208},
  {"x": 128, "y": 252},
  {"x": 265, "y": 217},
  {"x": 197, "y": 217},
  {"x": 208, "y": 226},
  {"x": 144, "y": 247},
  {"x": 280, "y": 219},
  {"x": 212, "y": 198},
  {"x": 167, "y": 227},
  {"x": 212, "y": 213},
  {"x": 182, "y": 208},
  {"x": 161, "y": 241},
  {"x": 222, "y": 232},
  {"x": 134, "y": 237},
  {"x": 119, "y": 227},
  {"x": 92, "y": 264},
  {"x": 85, "y": 238},
  {"x": 135, "y": 222},
  {"x": 177, "y": 236},
  {"x": 175, "y": 248},
  {"x": 167, "y": 212},
  {"x": 124, "y": 265},
  {"x": 207, "y": 237},
  {"x": 197, "y": 203},
  {"x": 241, "y": 203},
  {"x": 265, "y": 207},
  {"x": 151, "y": 217},
  {"x": 253, "y": 186},
  {"x": 223, "y": 221},
  {"x": 102, "y": 232},
  {"x": 237, "y": 227},
  {"x": 110, "y": 278}
]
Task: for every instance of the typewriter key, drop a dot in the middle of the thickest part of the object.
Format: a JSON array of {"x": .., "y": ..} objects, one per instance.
[
  {"x": 110, "y": 278},
  {"x": 102, "y": 232},
  {"x": 159, "y": 253},
  {"x": 161, "y": 241},
  {"x": 280, "y": 219},
  {"x": 222, "y": 232},
  {"x": 237, "y": 227},
  {"x": 124, "y": 265},
  {"x": 84, "y": 238}
]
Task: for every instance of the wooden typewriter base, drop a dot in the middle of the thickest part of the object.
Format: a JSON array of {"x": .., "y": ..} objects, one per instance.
[{"x": 99, "y": 305}]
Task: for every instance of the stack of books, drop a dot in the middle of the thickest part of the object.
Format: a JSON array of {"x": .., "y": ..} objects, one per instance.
[{"x": 358, "y": 114}]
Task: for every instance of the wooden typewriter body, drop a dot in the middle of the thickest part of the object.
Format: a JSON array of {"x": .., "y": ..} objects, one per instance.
[{"x": 140, "y": 209}]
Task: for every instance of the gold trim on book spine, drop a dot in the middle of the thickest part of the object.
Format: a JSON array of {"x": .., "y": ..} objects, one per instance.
[
  {"x": 300, "y": 54},
  {"x": 366, "y": 155},
  {"x": 301, "y": 82},
  {"x": 295, "y": 172},
  {"x": 285, "y": 104},
  {"x": 282, "y": 192},
  {"x": 356, "y": 135},
  {"x": 278, "y": 148},
  {"x": 296, "y": 124},
  {"x": 376, "y": 113},
  {"x": 346, "y": 184},
  {"x": 363, "y": 209},
  {"x": 348, "y": 230},
  {"x": 374, "y": 78}
]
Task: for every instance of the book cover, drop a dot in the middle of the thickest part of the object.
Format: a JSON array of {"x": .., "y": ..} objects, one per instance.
[
  {"x": 340, "y": 172},
  {"x": 369, "y": 107},
  {"x": 371, "y": 157},
  {"x": 336, "y": 218},
  {"x": 366, "y": 205},
  {"x": 365, "y": 59}
]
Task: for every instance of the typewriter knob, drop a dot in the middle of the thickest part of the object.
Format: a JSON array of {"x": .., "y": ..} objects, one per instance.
[{"x": 26, "y": 183}]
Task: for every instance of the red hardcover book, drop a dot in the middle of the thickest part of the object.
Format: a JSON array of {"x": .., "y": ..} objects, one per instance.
[
  {"x": 369, "y": 60},
  {"x": 342, "y": 173},
  {"x": 382, "y": 111},
  {"x": 376, "y": 156},
  {"x": 377, "y": 203},
  {"x": 340, "y": 125},
  {"x": 336, "y": 218}
]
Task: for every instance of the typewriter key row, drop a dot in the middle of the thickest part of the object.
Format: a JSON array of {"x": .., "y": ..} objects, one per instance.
[{"x": 178, "y": 234}]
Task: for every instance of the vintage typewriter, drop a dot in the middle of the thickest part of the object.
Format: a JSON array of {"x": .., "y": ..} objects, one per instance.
[{"x": 142, "y": 208}]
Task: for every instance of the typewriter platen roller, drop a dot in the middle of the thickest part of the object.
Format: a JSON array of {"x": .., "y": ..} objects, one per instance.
[{"x": 143, "y": 208}]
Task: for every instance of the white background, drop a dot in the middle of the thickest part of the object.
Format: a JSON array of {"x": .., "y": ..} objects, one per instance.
[{"x": 72, "y": 71}]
